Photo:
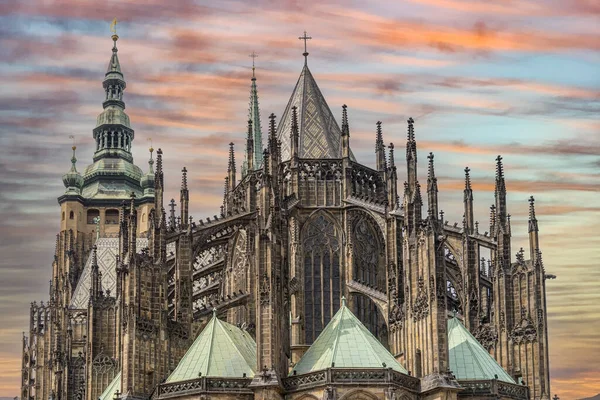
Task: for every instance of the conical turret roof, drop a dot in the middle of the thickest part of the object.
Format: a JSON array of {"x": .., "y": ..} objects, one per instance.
[
  {"x": 469, "y": 360},
  {"x": 319, "y": 133},
  {"x": 346, "y": 343},
  {"x": 221, "y": 350}
]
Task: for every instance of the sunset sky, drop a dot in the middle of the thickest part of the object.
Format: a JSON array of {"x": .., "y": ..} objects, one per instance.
[{"x": 481, "y": 78}]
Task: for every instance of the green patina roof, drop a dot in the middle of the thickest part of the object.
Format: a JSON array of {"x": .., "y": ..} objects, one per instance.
[
  {"x": 468, "y": 358},
  {"x": 221, "y": 350},
  {"x": 346, "y": 343},
  {"x": 111, "y": 389}
]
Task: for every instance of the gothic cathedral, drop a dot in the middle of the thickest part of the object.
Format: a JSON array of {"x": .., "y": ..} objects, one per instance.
[{"x": 317, "y": 279}]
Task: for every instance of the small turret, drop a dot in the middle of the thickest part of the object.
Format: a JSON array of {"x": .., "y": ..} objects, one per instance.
[
  {"x": 73, "y": 180},
  {"x": 147, "y": 181}
]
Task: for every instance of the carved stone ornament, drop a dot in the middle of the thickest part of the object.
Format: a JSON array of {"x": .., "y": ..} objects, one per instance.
[
  {"x": 264, "y": 291},
  {"x": 524, "y": 331},
  {"x": 420, "y": 308},
  {"x": 473, "y": 300},
  {"x": 487, "y": 335}
]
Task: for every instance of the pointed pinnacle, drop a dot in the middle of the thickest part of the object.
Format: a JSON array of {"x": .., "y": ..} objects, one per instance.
[
  {"x": 411, "y": 129},
  {"x": 231, "y": 164},
  {"x": 184, "y": 178},
  {"x": 431, "y": 169},
  {"x": 531, "y": 208},
  {"x": 379, "y": 138},
  {"x": 467, "y": 179},
  {"x": 499, "y": 168},
  {"x": 345, "y": 127},
  {"x": 294, "y": 131}
]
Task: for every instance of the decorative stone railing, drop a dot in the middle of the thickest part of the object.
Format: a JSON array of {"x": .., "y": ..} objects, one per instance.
[
  {"x": 239, "y": 386},
  {"x": 494, "y": 387},
  {"x": 329, "y": 376}
]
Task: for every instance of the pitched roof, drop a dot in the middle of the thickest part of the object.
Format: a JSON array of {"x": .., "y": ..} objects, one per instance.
[
  {"x": 468, "y": 358},
  {"x": 346, "y": 343},
  {"x": 221, "y": 350},
  {"x": 319, "y": 133},
  {"x": 111, "y": 389},
  {"x": 108, "y": 248}
]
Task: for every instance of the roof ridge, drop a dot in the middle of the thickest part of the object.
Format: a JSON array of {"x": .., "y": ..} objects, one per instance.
[
  {"x": 227, "y": 334},
  {"x": 367, "y": 337},
  {"x": 337, "y": 333}
]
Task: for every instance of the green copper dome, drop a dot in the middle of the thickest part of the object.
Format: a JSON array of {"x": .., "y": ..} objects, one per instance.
[
  {"x": 221, "y": 350},
  {"x": 469, "y": 360},
  {"x": 346, "y": 343}
]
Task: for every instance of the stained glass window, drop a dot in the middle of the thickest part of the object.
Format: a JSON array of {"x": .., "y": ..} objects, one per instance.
[{"x": 322, "y": 287}]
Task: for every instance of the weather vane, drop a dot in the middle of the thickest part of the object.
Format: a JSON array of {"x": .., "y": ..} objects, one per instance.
[{"x": 113, "y": 29}]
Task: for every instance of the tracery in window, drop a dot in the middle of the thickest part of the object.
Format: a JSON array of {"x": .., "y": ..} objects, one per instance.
[
  {"x": 366, "y": 253},
  {"x": 322, "y": 286}
]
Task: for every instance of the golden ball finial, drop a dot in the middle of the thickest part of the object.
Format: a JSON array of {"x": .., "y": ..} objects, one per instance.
[{"x": 74, "y": 148}]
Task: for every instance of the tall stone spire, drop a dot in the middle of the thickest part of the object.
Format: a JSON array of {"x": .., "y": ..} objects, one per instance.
[
  {"x": 414, "y": 201},
  {"x": 254, "y": 116}
]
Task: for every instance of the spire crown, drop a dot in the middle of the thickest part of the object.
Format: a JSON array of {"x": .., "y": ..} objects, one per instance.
[
  {"x": 231, "y": 164},
  {"x": 467, "y": 179},
  {"x": 345, "y": 127},
  {"x": 411, "y": 129},
  {"x": 431, "y": 169},
  {"x": 531, "y": 208},
  {"x": 184, "y": 178}
]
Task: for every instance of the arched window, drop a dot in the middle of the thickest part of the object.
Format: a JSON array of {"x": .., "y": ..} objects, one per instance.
[
  {"x": 63, "y": 216},
  {"x": 144, "y": 217},
  {"x": 91, "y": 214},
  {"x": 71, "y": 215},
  {"x": 111, "y": 217},
  {"x": 322, "y": 286},
  {"x": 369, "y": 266}
]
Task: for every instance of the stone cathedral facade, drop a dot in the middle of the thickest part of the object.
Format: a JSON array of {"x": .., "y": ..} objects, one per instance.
[{"x": 319, "y": 277}]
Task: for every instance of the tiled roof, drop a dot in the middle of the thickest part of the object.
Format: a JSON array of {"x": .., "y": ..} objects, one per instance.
[
  {"x": 346, "y": 343},
  {"x": 469, "y": 360},
  {"x": 221, "y": 350},
  {"x": 108, "y": 248},
  {"x": 319, "y": 133}
]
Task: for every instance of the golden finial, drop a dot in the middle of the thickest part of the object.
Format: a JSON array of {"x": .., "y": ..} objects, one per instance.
[
  {"x": 151, "y": 149},
  {"x": 113, "y": 29},
  {"x": 73, "y": 147}
]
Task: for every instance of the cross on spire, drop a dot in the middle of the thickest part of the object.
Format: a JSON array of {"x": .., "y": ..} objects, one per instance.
[
  {"x": 253, "y": 55},
  {"x": 305, "y": 38}
]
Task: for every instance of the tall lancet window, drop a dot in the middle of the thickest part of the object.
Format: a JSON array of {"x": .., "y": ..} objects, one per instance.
[
  {"x": 369, "y": 265},
  {"x": 322, "y": 284}
]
